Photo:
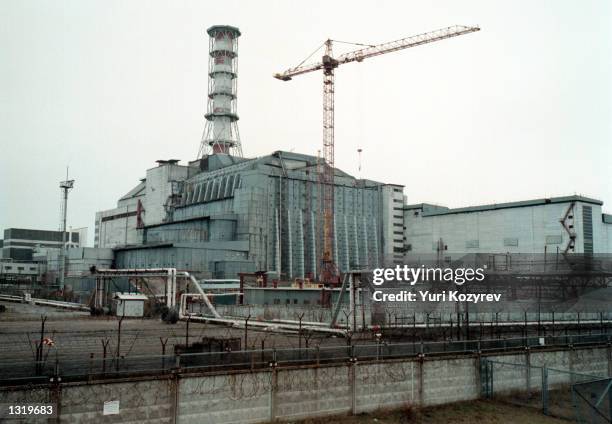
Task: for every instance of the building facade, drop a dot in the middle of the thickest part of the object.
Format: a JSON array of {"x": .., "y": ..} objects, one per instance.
[
  {"x": 222, "y": 215},
  {"x": 20, "y": 243},
  {"x": 572, "y": 224}
]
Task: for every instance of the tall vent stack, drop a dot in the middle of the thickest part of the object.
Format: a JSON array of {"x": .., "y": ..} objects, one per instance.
[{"x": 221, "y": 131}]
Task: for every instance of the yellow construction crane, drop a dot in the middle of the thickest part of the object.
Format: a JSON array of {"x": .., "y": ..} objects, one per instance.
[{"x": 328, "y": 269}]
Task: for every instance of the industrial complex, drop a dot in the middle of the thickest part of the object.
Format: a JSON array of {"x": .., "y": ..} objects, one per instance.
[{"x": 244, "y": 280}]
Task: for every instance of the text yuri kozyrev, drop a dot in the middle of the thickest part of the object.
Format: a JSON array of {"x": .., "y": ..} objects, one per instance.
[{"x": 414, "y": 275}]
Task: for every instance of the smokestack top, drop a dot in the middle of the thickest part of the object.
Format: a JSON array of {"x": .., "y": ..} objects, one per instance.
[{"x": 223, "y": 28}]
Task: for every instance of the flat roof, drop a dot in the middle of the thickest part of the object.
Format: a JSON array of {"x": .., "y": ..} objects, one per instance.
[
  {"x": 440, "y": 210},
  {"x": 130, "y": 296}
]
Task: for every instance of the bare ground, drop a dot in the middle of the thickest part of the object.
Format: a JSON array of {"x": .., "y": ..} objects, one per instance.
[{"x": 480, "y": 411}]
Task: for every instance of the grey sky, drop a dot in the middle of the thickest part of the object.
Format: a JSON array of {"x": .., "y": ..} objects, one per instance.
[{"x": 521, "y": 109}]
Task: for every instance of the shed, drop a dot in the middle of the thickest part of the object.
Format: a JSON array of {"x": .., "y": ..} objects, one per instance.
[{"x": 129, "y": 304}]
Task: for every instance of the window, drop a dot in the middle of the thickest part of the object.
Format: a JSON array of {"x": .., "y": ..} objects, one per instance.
[
  {"x": 288, "y": 301},
  {"x": 554, "y": 239},
  {"x": 472, "y": 244},
  {"x": 20, "y": 268},
  {"x": 587, "y": 228},
  {"x": 277, "y": 301},
  {"x": 398, "y": 232},
  {"x": 398, "y": 216},
  {"x": 512, "y": 241},
  {"x": 295, "y": 301},
  {"x": 416, "y": 213}
]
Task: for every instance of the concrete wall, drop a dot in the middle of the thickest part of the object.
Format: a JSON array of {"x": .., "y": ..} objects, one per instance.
[
  {"x": 241, "y": 397},
  {"x": 392, "y": 223},
  {"x": 603, "y": 228},
  {"x": 293, "y": 393},
  {"x": 117, "y": 227},
  {"x": 162, "y": 182}
]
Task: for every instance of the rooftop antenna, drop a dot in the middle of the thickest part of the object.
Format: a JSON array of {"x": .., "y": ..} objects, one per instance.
[
  {"x": 65, "y": 187},
  {"x": 359, "y": 153}
]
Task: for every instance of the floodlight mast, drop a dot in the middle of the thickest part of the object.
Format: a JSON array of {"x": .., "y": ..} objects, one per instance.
[{"x": 65, "y": 186}]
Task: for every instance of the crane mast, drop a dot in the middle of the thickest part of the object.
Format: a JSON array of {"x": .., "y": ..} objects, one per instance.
[
  {"x": 328, "y": 270},
  {"x": 327, "y": 267}
]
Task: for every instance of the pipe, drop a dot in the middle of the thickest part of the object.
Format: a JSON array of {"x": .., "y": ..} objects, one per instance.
[
  {"x": 45, "y": 302},
  {"x": 201, "y": 292},
  {"x": 261, "y": 324}
]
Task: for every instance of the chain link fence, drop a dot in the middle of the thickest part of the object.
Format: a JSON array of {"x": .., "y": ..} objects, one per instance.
[
  {"x": 553, "y": 391},
  {"x": 593, "y": 401}
]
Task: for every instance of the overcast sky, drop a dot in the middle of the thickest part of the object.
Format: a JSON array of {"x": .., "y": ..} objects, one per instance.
[{"x": 520, "y": 110}]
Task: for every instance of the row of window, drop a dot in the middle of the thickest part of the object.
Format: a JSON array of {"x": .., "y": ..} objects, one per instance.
[
  {"x": 295, "y": 302},
  {"x": 508, "y": 241},
  {"x": 19, "y": 268}
]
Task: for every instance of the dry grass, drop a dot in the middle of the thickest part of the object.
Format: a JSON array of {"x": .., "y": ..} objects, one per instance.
[{"x": 481, "y": 412}]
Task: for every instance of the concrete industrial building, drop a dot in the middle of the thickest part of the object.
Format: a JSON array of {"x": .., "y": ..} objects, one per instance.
[
  {"x": 25, "y": 252},
  {"x": 223, "y": 214},
  {"x": 20, "y": 243},
  {"x": 572, "y": 224}
]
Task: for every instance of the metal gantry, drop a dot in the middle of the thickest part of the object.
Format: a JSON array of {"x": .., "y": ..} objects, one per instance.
[{"x": 328, "y": 269}]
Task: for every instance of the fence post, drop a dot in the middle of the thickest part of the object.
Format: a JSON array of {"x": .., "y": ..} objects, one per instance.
[
  {"x": 484, "y": 378},
  {"x": 173, "y": 382},
  {"x": 421, "y": 362},
  {"x": 609, "y": 352},
  {"x": 527, "y": 370},
  {"x": 353, "y": 384},
  {"x": 273, "y": 387},
  {"x": 610, "y": 402},
  {"x": 545, "y": 390}
]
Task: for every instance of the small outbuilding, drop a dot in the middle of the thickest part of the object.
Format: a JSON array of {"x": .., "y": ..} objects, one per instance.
[{"x": 129, "y": 304}]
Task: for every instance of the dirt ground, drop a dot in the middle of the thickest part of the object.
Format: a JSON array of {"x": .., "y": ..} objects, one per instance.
[
  {"x": 481, "y": 412},
  {"x": 78, "y": 334}
]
